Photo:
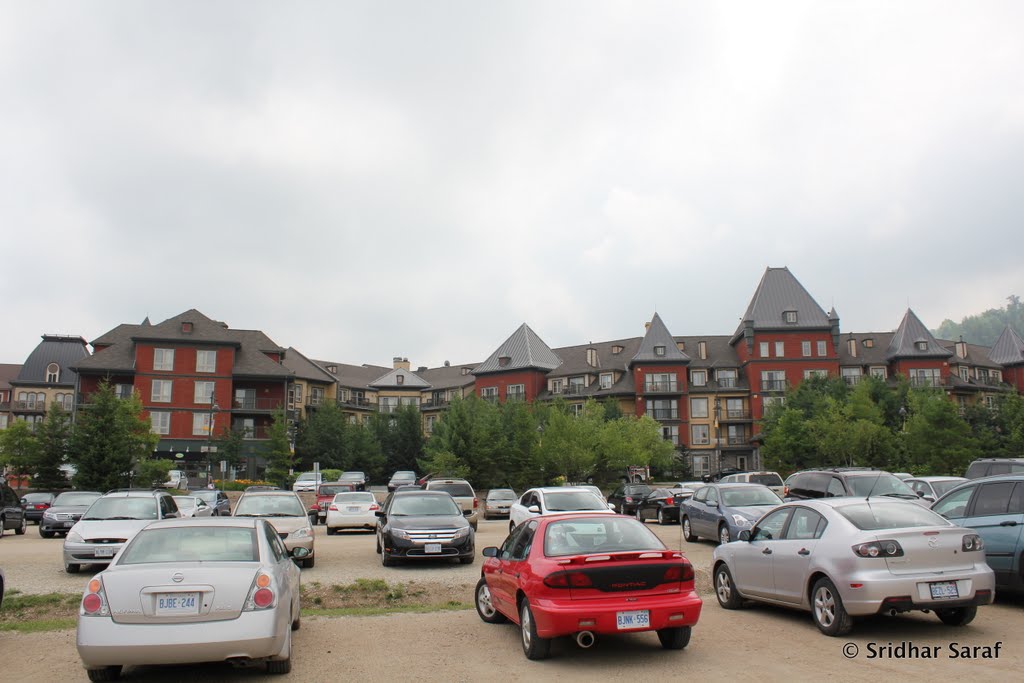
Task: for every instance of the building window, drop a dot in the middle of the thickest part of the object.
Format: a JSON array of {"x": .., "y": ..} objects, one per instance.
[
  {"x": 702, "y": 349},
  {"x": 576, "y": 409},
  {"x": 65, "y": 401},
  {"x": 698, "y": 378},
  {"x": 160, "y": 421},
  {"x": 161, "y": 392},
  {"x": 663, "y": 409},
  {"x": 556, "y": 386},
  {"x": 878, "y": 371},
  {"x": 701, "y": 466},
  {"x": 387, "y": 404},
  {"x": 926, "y": 377},
  {"x": 200, "y": 424},
  {"x": 316, "y": 396},
  {"x": 3, "y": 420},
  {"x": 333, "y": 369},
  {"x": 789, "y": 317},
  {"x": 206, "y": 361},
  {"x": 515, "y": 392},
  {"x": 408, "y": 401},
  {"x": 52, "y": 373},
  {"x": 204, "y": 392},
  {"x": 815, "y": 373},
  {"x": 342, "y": 395},
  {"x": 699, "y": 435},
  {"x": 606, "y": 380},
  {"x": 660, "y": 381},
  {"x": 805, "y": 349},
  {"x": 736, "y": 435},
  {"x": 822, "y": 349},
  {"x": 163, "y": 359},
  {"x": 780, "y": 349},
  {"x": 990, "y": 402},
  {"x": 186, "y": 328},
  {"x": 430, "y": 422},
  {"x": 616, "y": 350},
  {"x": 764, "y": 349},
  {"x": 726, "y": 378},
  {"x": 773, "y": 380},
  {"x": 123, "y": 391},
  {"x": 734, "y": 408},
  {"x": 965, "y": 372},
  {"x": 577, "y": 384},
  {"x": 670, "y": 433},
  {"x": 659, "y": 350},
  {"x": 770, "y": 401},
  {"x": 921, "y": 345},
  {"x": 851, "y": 376},
  {"x": 489, "y": 393},
  {"x": 400, "y": 379},
  {"x": 698, "y": 407},
  {"x": 298, "y": 393}
]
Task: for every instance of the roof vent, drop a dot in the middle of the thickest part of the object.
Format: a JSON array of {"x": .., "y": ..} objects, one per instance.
[
  {"x": 447, "y": 364},
  {"x": 422, "y": 368},
  {"x": 186, "y": 328},
  {"x": 503, "y": 361}
]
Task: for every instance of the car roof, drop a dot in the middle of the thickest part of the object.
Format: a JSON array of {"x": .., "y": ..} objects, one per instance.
[
  {"x": 419, "y": 492},
  {"x": 558, "y": 489},
  {"x": 133, "y": 493},
  {"x": 263, "y": 494},
  {"x": 938, "y": 479},
  {"x": 249, "y": 522}
]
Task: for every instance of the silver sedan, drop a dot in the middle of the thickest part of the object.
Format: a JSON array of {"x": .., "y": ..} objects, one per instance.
[
  {"x": 192, "y": 590},
  {"x": 845, "y": 557}
]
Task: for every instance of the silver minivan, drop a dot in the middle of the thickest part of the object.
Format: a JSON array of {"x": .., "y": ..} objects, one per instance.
[{"x": 765, "y": 478}]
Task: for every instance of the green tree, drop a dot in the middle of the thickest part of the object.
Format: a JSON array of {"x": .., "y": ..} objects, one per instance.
[
  {"x": 19, "y": 447},
  {"x": 280, "y": 458},
  {"x": 938, "y": 441},
  {"x": 152, "y": 471},
  {"x": 108, "y": 439},
  {"x": 985, "y": 328},
  {"x": 406, "y": 439},
  {"x": 570, "y": 443},
  {"x": 54, "y": 436},
  {"x": 517, "y": 460},
  {"x": 231, "y": 446},
  {"x": 322, "y": 439},
  {"x": 466, "y": 430}
]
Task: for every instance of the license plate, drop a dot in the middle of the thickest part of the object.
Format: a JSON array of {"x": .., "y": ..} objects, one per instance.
[
  {"x": 103, "y": 552},
  {"x": 944, "y": 589},
  {"x": 432, "y": 548},
  {"x": 353, "y": 508},
  {"x": 177, "y": 603},
  {"x": 68, "y": 525},
  {"x": 636, "y": 619}
]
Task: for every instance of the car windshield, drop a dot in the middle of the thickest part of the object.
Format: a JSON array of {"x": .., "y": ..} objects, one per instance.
[
  {"x": 879, "y": 484},
  {"x": 767, "y": 479},
  {"x": 404, "y": 475},
  {"x": 424, "y": 506},
  {"x": 455, "y": 489},
  {"x": 206, "y": 496},
  {"x": 192, "y": 544},
  {"x": 75, "y": 498},
  {"x": 122, "y": 508},
  {"x": 37, "y": 497},
  {"x": 307, "y": 476},
  {"x": 352, "y": 476},
  {"x": 941, "y": 487},
  {"x": 561, "y": 501},
  {"x": 501, "y": 494},
  {"x": 269, "y": 506},
  {"x": 186, "y": 501},
  {"x": 357, "y": 497},
  {"x": 326, "y": 490},
  {"x": 744, "y": 497},
  {"x": 612, "y": 535},
  {"x": 869, "y": 516}
]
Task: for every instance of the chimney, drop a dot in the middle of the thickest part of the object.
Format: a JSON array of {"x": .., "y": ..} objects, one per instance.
[
  {"x": 422, "y": 368},
  {"x": 647, "y": 326},
  {"x": 400, "y": 363},
  {"x": 961, "y": 348}
]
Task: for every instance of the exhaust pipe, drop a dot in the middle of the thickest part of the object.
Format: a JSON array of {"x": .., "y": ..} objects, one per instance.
[
  {"x": 893, "y": 613},
  {"x": 585, "y": 639}
]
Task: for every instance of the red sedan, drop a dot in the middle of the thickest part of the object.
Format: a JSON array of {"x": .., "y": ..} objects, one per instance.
[{"x": 584, "y": 575}]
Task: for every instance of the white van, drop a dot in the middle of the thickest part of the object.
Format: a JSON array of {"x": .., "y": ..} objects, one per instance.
[
  {"x": 770, "y": 479},
  {"x": 176, "y": 479}
]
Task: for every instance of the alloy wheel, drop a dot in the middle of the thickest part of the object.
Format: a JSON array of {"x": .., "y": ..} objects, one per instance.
[{"x": 824, "y": 606}]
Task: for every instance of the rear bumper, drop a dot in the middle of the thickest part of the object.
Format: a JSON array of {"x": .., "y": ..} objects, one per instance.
[
  {"x": 883, "y": 591},
  {"x": 556, "y": 618},
  {"x": 336, "y": 520}
]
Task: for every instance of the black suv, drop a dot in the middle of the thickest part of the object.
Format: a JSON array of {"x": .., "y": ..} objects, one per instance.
[
  {"x": 846, "y": 481},
  {"x": 986, "y": 467},
  {"x": 628, "y": 496},
  {"x": 12, "y": 515}
]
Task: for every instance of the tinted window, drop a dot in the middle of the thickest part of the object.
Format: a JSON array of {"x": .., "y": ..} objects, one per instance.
[
  {"x": 810, "y": 484},
  {"x": 770, "y": 479},
  {"x": 941, "y": 487},
  {"x": 977, "y": 469},
  {"x": 274, "y": 541},
  {"x": 613, "y": 534},
  {"x": 875, "y": 516},
  {"x": 806, "y": 525},
  {"x": 955, "y": 504},
  {"x": 510, "y": 541},
  {"x": 993, "y": 499},
  {"x": 523, "y": 542},
  {"x": 1017, "y": 499},
  {"x": 835, "y": 488},
  {"x": 880, "y": 484},
  {"x": 457, "y": 490}
]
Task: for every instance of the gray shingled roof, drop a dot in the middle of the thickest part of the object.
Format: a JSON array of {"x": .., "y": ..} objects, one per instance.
[
  {"x": 409, "y": 380},
  {"x": 66, "y": 352},
  {"x": 203, "y": 328},
  {"x": 524, "y": 349},
  {"x": 574, "y": 358},
  {"x": 977, "y": 356},
  {"x": 1008, "y": 349},
  {"x": 8, "y": 372},
  {"x": 777, "y": 293},
  {"x": 353, "y": 376},
  {"x": 448, "y": 377},
  {"x": 908, "y": 334},
  {"x": 658, "y": 336},
  {"x": 873, "y": 355},
  {"x": 304, "y": 368}
]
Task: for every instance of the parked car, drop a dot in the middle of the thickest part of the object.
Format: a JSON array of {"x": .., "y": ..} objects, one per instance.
[
  {"x": 261, "y": 487},
  {"x": 307, "y": 481},
  {"x": 587, "y": 575},
  {"x": 176, "y": 479},
  {"x": 3, "y": 585},
  {"x": 722, "y": 511},
  {"x": 68, "y": 507},
  {"x": 841, "y": 558},
  {"x": 624, "y": 498},
  {"x": 765, "y": 478},
  {"x": 352, "y": 510},
  {"x": 325, "y": 493},
  {"x": 170, "y": 592},
  {"x": 590, "y": 487},
  {"x": 903, "y": 475},
  {"x": 547, "y": 500},
  {"x": 111, "y": 521},
  {"x": 462, "y": 492},
  {"x": 285, "y": 512},
  {"x": 932, "y": 488},
  {"x": 987, "y": 467},
  {"x": 191, "y": 506},
  {"x": 216, "y": 499},
  {"x": 401, "y": 478},
  {"x": 994, "y": 509},
  {"x": 847, "y": 481},
  {"x": 35, "y": 504},
  {"x": 423, "y": 525},
  {"x": 357, "y": 479},
  {"x": 12, "y": 515},
  {"x": 662, "y": 505},
  {"x": 498, "y": 502}
]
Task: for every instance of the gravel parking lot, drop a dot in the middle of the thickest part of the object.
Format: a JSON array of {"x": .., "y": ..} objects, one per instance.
[{"x": 756, "y": 643}]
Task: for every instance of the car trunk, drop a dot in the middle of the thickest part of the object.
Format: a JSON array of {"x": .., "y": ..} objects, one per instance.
[
  {"x": 928, "y": 550},
  {"x": 625, "y": 575},
  {"x": 149, "y": 594}
]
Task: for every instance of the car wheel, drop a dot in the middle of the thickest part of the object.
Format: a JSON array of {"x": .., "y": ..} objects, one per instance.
[
  {"x": 308, "y": 562},
  {"x": 639, "y": 517},
  {"x": 687, "y": 531},
  {"x": 72, "y": 568},
  {"x": 725, "y": 589},
  {"x": 827, "y": 609},
  {"x": 20, "y": 530},
  {"x": 661, "y": 517},
  {"x": 674, "y": 638},
  {"x": 534, "y": 647},
  {"x": 282, "y": 666},
  {"x": 107, "y": 673},
  {"x": 957, "y": 616},
  {"x": 385, "y": 558},
  {"x": 331, "y": 531},
  {"x": 378, "y": 545},
  {"x": 44, "y": 533},
  {"x": 723, "y": 534},
  {"x": 484, "y": 607}
]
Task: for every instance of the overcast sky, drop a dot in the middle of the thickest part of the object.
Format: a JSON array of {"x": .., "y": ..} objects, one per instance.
[{"x": 365, "y": 180}]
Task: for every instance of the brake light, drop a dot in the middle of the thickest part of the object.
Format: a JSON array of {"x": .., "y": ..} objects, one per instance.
[
  {"x": 669, "y": 501},
  {"x": 264, "y": 597},
  {"x": 261, "y": 596},
  {"x": 629, "y": 499},
  {"x": 785, "y": 491},
  {"x": 374, "y": 506},
  {"x": 568, "y": 580},
  {"x": 878, "y": 549},
  {"x": 333, "y": 507},
  {"x": 679, "y": 572},
  {"x": 476, "y": 503}
]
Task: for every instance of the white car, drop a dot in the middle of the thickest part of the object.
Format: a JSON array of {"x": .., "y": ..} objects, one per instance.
[
  {"x": 547, "y": 500},
  {"x": 307, "y": 481},
  {"x": 187, "y": 591},
  {"x": 191, "y": 506},
  {"x": 352, "y": 510}
]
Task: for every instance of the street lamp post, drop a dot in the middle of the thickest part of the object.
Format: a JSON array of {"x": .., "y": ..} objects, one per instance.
[{"x": 209, "y": 443}]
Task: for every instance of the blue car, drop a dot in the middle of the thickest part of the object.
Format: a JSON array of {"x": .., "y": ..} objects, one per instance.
[
  {"x": 993, "y": 507},
  {"x": 722, "y": 511}
]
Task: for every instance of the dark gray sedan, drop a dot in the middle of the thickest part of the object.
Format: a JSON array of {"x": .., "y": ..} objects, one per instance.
[{"x": 721, "y": 511}]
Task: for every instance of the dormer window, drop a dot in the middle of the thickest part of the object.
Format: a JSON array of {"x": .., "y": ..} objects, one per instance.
[
  {"x": 789, "y": 317},
  {"x": 186, "y": 328},
  {"x": 921, "y": 345},
  {"x": 869, "y": 343},
  {"x": 52, "y": 373},
  {"x": 616, "y": 350},
  {"x": 702, "y": 349},
  {"x": 503, "y": 361},
  {"x": 659, "y": 350},
  {"x": 466, "y": 371},
  {"x": 400, "y": 379},
  {"x": 333, "y": 369},
  {"x": 592, "y": 357}
]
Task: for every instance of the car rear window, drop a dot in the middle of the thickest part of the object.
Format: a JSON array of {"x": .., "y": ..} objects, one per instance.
[
  {"x": 878, "y": 484},
  {"x": 37, "y": 497},
  {"x": 562, "y": 501},
  {"x": 192, "y": 544},
  {"x": 501, "y": 495},
  {"x": 766, "y": 479},
  {"x": 455, "y": 489},
  {"x": 271, "y": 506},
  {"x": 612, "y": 535},
  {"x": 869, "y": 516},
  {"x": 122, "y": 508},
  {"x": 332, "y": 490},
  {"x": 356, "y": 497}
]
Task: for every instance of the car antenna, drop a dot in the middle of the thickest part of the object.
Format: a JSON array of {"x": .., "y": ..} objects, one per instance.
[{"x": 873, "y": 485}]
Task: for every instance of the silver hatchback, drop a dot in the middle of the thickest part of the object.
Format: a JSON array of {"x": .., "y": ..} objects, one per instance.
[{"x": 845, "y": 557}]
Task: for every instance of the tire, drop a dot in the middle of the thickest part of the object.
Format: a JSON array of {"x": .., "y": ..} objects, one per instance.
[
  {"x": 723, "y": 534},
  {"x": 331, "y": 531},
  {"x": 385, "y": 558},
  {"x": 309, "y": 563},
  {"x": 827, "y": 609},
  {"x": 45, "y": 534},
  {"x": 957, "y": 616},
  {"x": 73, "y": 569},
  {"x": 688, "y": 532},
  {"x": 484, "y": 607},
  {"x": 297, "y": 624},
  {"x": 674, "y": 638},
  {"x": 20, "y": 531},
  {"x": 281, "y": 666},
  {"x": 725, "y": 588},
  {"x": 534, "y": 647},
  {"x": 639, "y": 517},
  {"x": 661, "y": 517},
  {"x": 110, "y": 673},
  {"x": 378, "y": 545}
]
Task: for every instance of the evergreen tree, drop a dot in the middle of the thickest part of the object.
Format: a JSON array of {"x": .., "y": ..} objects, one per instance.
[
  {"x": 54, "y": 436},
  {"x": 938, "y": 441},
  {"x": 280, "y": 458},
  {"x": 19, "y": 447}
]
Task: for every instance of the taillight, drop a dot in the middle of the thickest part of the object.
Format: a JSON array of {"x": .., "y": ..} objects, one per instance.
[
  {"x": 785, "y": 491},
  {"x": 476, "y": 503},
  {"x": 374, "y": 506},
  {"x": 629, "y": 499},
  {"x": 94, "y": 602},
  {"x": 568, "y": 580},
  {"x": 261, "y": 596},
  {"x": 972, "y": 542},
  {"x": 333, "y": 507},
  {"x": 679, "y": 572},
  {"x": 878, "y": 549},
  {"x": 669, "y": 501}
]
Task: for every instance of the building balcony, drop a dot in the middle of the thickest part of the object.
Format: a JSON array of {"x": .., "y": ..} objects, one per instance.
[
  {"x": 36, "y": 406},
  {"x": 773, "y": 385},
  {"x": 664, "y": 413},
  {"x": 257, "y": 405},
  {"x": 671, "y": 387},
  {"x": 925, "y": 382},
  {"x": 573, "y": 389},
  {"x": 737, "y": 415},
  {"x": 5, "y": 406},
  {"x": 255, "y": 433},
  {"x": 356, "y": 402},
  {"x": 735, "y": 441},
  {"x": 726, "y": 382},
  {"x": 435, "y": 404}
]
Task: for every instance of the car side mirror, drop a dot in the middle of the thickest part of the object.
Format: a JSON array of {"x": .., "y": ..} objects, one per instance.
[
  {"x": 744, "y": 535},
  {"x": 611, "y": 506},
  {"x": 467, "y": 513},
  {"x": 490, "y": 551},
  {"x": 534, "y": 509},
  {"x": 379, "y": 513},
  {"x": 920, "y": 494},
  {"x": 929, "y": 499}
]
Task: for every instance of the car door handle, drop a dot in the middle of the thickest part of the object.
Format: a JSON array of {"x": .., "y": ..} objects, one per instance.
[
  {"x": 766, "y": 551},
  {"x": 1008, "y": 523},
  {"x": 803, "y": 551}
]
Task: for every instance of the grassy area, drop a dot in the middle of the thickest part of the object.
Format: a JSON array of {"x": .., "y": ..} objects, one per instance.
[{"x": 32, "y": 613}]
